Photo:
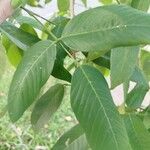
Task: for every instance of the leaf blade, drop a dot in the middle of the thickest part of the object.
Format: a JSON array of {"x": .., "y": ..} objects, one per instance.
[
  {"x": 107, "y": 27},
  {"x": 137, "y": 133},
  {"x": 19, "y": 37},
  {"x": 123, "y": 61},
  {"x": 135, "y": 98},
  {"x": 47, "y": 105},
  {"x": 90, "y": 102},
  {"x": 31, "y": 74},
  {"x": 69, "y": 137}
]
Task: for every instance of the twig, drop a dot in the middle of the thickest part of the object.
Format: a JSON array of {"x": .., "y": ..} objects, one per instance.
[
  {"x": 118, "y": 1},
  {"x": 72, "y": 2},
  {"x": 67, "y": 84},
  {"x": 66, "y": 50},
  {"x": 32, "y": 13},
  {"x": 75, "y": 61}
]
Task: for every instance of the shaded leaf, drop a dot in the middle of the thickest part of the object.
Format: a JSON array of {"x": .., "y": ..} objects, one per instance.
[
  {"x": 103, "y": 60},
  {"x": 68, "y": 138},
  {"x": 80, "y": 144},
  {"x": 47, "y": 105},
  {"x": 59, "y": 70}
]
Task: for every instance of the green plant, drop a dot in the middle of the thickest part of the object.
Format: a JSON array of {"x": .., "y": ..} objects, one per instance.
[{"x": 105, "y": 38}]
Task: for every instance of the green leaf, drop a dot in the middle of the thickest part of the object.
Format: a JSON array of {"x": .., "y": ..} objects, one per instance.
[
  {"x": 79, "y": 144},
  {"x": 145, "y": 63},
  {"x": 2, "y": 60},
  {"x": 59, "y": 71},
  {"x": 123, "y": 61},
  {"x": 29, "y": 29},
  {"x": 5, "y": 42},
  {"x": 63, "y": 5},
  {"x": 19, "y": 37},
  {"x": 140, "y": 4},
  {"x": 146, "y": 118},
  {"x": 31, "y": 74},
  {"x": 135, "y": 97},
  {"x": 14, "y": 55},
  {"x": 60, "y": 23},
  {"x": 126, "y": 86},
  {"x": 96, "y": 54},
  {"x": 107, "y": 27},
  {"x": 84, "y": 2},
  {"x": 94, "y": 108},
  {"x": 127, "y": 2},
  {"x": 47, "y": 105},
  {"x": 106, "y": 1},
  {"x": 33, "y": 3},
  {"x": 30, "y": 21},
  {"x": 103, "y": 61},
  {"x": 139, "y": 137},
  {"x": 68, "y": 138},
  {"x": 47, "y": 1},
  {"x": 16, "y": 3}
]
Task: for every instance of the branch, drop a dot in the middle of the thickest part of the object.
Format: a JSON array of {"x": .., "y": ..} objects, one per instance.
[
  {"x": 34, "y": 14},
  {"x": 72, "y": 2},
  {"x": 118, "y": 1}
]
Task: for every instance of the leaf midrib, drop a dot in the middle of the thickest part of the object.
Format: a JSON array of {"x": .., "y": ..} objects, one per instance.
[
  {"x": 20, "y": 85},
  {"x": 103, "y": 108},
  {"x": 101, "y": 30}
]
